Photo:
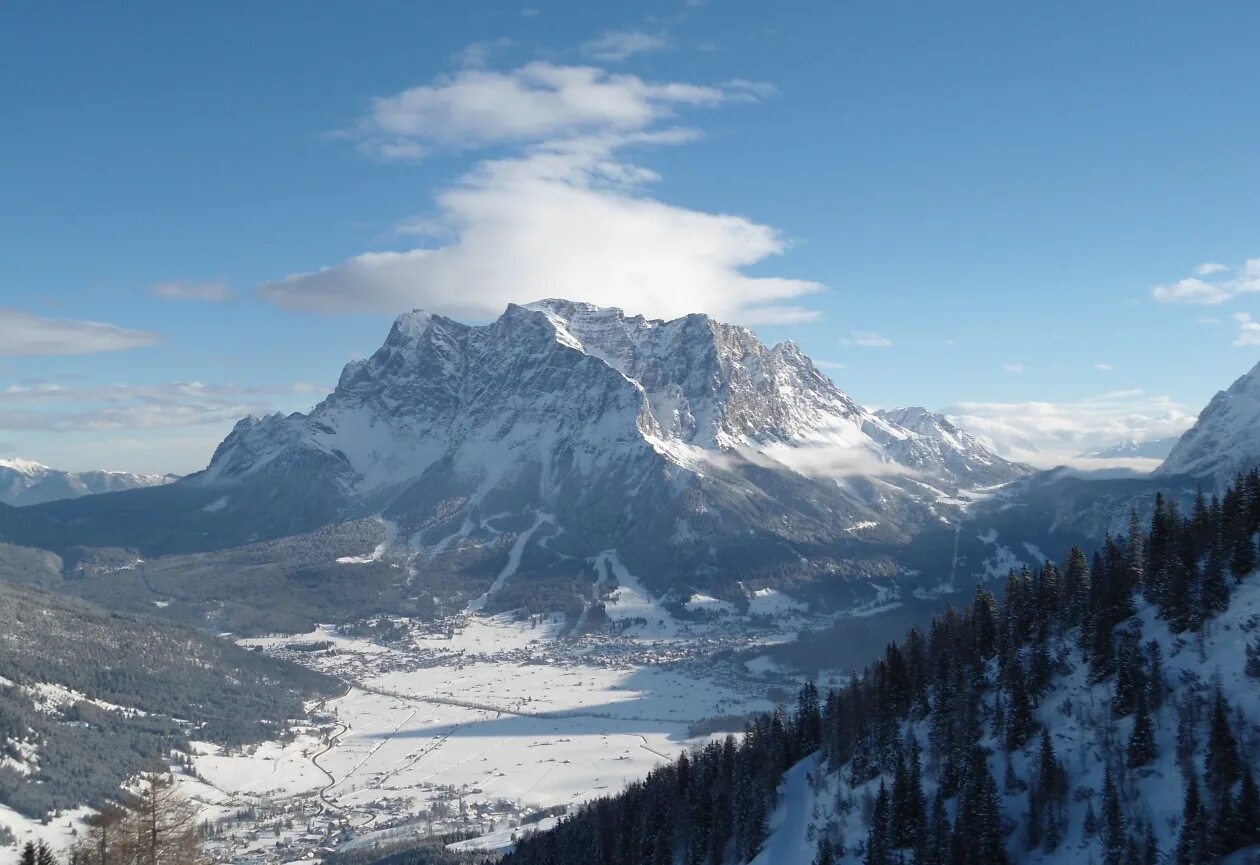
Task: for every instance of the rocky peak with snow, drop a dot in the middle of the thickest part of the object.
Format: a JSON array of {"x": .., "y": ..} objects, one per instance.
[
  {"x": 938, "y": 441},
  {"x": 684, "y": 388},
  {"x": 687, "y": 438},
  {"x": 1226, "y": 438},
  {"x": 24, "y": 482}
]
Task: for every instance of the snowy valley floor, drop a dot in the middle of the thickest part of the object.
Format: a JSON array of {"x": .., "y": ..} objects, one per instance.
[{"x": 472, "y": 724}]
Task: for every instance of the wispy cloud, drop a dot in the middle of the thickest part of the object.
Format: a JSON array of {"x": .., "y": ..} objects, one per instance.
[
  {"x": 1213, "y": 284},
  {"x": 866, "y": 339},
  {"x": 1248, "y": 330},
  {"x": 536, "y": 102},
  {"x": 616, "y": 45},
  {"x": 212, "y": 291},
  {"x": 1014, "y": 368},
  {"x": 58, "y": 407},
  {"x": 1104, "y": 367},
  {"x": 476, "y": 55},
  {"x": 26, "y": 334}
]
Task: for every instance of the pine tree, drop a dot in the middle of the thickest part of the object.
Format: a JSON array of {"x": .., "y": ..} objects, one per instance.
[
  {"x": 877, "y": 847},
  {"x": 1020, "y": 723},
  {"x": 808, "y": 718},
  {"x": 937, "y": 849},
  {"x": 44, "y": 855},
  {"x": 1075, "y": 586},
  {"x": 1222, "y": 761},
  {"x": 1213, "y": 589},
  {"x": 1115, "y": 840},
  {"x": 826, "y": 856},
  {"x": 979, "y": 816},
  {"x": 1243, "y": 560},
  {"x": 1252, "y": 665},
  {"x": 1033, "y": 818},
  {"x": 29, "y": 855},
  {"x": 1156, "y": 684},
  {"x": 916, "y": 803},
  {"x": 1142, "y": 740},
  {"x": 1150, "y": 848},
  {"x": 1051, "y": 788},
  {"x": 1192, "y": 839},
  {"x": 1247, "y": 811},
  {"x": 1090, "y": 825}
]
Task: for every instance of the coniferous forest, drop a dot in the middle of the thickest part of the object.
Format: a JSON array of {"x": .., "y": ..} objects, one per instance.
[{"x": 917, "y": 740}]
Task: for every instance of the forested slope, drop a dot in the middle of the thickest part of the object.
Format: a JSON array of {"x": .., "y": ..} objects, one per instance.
[{"x": 88, "y": 697}]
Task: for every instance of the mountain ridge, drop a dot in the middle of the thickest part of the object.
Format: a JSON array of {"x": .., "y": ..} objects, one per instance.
[{"x": 25, "y": 482}]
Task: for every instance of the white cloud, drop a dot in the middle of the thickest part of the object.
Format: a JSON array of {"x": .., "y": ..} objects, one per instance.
[
  {"x": 475, "y": 55},
  {"x": 1248, "y": 330},
  {"x": 1211, "y": 292},
  {"x": 615, "y": 45},
  {"x": 1103, "y": 367},
  {"x": 1048, "y": 434},
  {"x": 214, "y": 291},
  {"x": 27, "y": 334},
  {"x": 1191, "y": 290},
  {"x": 866, "y": 339},
  {"x": 529, "y": 12},
  {"x": 817, "y": 460},
  {"x": 829, "y": 364},
  {"x": 1015, "y": 368},
  {"x": 537, "y": 102},
  {"x": 566, "y": 217}
]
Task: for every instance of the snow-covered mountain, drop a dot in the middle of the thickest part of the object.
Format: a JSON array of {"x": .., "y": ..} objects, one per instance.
[
  {"x": 1226, "y": 438},
  {"x": 1155, "y": 449},
  {"x": 23, "y": 482},
  {"x": 687, "y": 444},
  {"x": 937, "y": 441}
]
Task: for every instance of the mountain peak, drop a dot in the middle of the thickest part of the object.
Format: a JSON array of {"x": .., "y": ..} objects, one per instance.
[
  {"x": 409, "y": 327},
  {"x": 677, "y": 441},
  {"x": 24, "y": 466},
  {"x": 1225, "y": 440}
]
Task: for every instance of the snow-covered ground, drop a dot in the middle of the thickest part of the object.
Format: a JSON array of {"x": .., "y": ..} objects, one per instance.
[{"x": 476, "y": 721}]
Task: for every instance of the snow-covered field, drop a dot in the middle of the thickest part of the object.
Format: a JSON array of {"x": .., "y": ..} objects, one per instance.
[{"x": 474, "y": 722}]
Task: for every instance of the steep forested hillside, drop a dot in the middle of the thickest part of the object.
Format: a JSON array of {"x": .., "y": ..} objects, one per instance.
[
  {"x": 1103, "y": 711},
  {"x": 88, "y": 696}
]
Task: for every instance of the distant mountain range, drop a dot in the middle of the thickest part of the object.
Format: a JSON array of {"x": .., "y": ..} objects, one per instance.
[
  {"x": 23, "y": 482},
  {"x": 1156, "y": 449}
]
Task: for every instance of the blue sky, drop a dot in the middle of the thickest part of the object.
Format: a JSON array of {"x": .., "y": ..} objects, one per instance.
[{"x": 1000, "y": 209}]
